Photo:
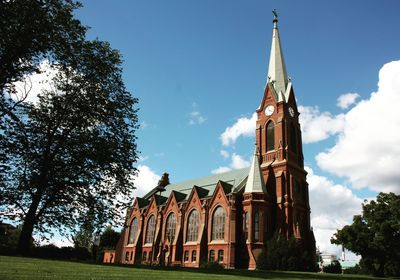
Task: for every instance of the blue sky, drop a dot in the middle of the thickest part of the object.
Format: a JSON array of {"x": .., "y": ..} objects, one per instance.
[{"x": 198, "y": 67}]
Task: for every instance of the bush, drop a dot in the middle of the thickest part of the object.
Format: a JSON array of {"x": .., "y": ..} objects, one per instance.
[
  {"x": 212, "y": 266},
  {"x": 285, "y": 254},
  {"x": 334, "y": 267},
  {"x": 64, "y": 253}
]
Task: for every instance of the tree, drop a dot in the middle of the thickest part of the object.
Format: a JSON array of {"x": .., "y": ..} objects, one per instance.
[
  {"x": 74, "y": 150},
  {"x": 375, "y": 235},
  {"x": 285, "y": 254}
]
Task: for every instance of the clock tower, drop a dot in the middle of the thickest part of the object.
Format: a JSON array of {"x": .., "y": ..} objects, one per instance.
[{"x": 279, "y": 146}]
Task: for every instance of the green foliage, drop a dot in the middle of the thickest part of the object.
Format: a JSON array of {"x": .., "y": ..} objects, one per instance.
[
  {"x": 64, "y": 253},
  {"x": 214, "y": 266},
  {"x": 74, "y": 150},
  {"x": 375, "y": 235},
  {"x": 334, "y": 267},
  {"x": 108, "y": 241},
  {"x": 285, "y": 254}
]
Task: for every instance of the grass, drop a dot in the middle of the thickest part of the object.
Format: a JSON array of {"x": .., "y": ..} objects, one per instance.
[{"x": 29, "y": 268}]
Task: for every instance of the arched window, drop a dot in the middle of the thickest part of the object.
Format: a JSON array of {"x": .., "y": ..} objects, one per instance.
[
  {"x": 220, "y": 256},
  {"x": 246, "y": 226},
  {"x": 270, "y": 136},
  {"x": 212, "y": 256},
  {"x": 151, "y": 225},
  {"x": 257, "y": 226},
  {"x": 193, "y": 226},
  {"x": 170, "y": 227},
  {"x": 144, "y": 258},
  {"x": 133, "y": 231},
  {"x": 194, "y": 255},
  {"x": 218, "y": 224},
  {"x": 293, "y": 139}
]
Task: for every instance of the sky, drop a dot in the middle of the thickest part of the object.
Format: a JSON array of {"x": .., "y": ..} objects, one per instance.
[{"x": 199, "y": 70}]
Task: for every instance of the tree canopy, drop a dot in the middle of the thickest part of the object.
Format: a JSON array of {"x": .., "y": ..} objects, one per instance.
[
  {"x": 73, "y": 151},
  {"x": 375, "y": 235}
]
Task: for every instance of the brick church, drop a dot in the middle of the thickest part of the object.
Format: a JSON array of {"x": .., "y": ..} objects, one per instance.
[{"x": 227, "y": 218}]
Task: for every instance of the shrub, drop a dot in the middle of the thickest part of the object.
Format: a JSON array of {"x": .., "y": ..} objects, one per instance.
[{"x": 334, "y": 267}]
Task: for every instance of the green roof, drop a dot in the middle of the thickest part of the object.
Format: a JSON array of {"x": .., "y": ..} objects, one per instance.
[{"x": 208, "y": 183}]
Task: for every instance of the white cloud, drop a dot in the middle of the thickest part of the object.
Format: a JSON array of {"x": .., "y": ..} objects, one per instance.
[
  {"x": 145, "y": 181},
  {"x": 332, "y": 207},
  {"x": 317, "y": 126},
  {"x": 221, "y": 169},
  {"x": 35, "y": 83},
  {"x": 242, "y": 127},
  {"x": 237, "y": 162},
  {"x": 224, "y": 154},
  {"x": 367, "y": 152},
  {"x": 345, "y": 100},
  {"x": 195, "y": 117}
]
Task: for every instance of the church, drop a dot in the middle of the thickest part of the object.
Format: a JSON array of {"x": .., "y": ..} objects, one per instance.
[{"x": 227, "y": 218}]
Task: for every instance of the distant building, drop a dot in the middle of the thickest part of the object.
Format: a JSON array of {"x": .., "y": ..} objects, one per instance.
[{"x": 227, "y": 218}]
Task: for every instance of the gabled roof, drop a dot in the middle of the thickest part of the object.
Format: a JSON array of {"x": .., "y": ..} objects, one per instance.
[
  {"x": 226, "y": 187},
  {"x": 201, "y": 191},
  {"x": 142, "y": 202},
  {"x": 179, "y": 196},
  {"x": 234, "y": 178}
]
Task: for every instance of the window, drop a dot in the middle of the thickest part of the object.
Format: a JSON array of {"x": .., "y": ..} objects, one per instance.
[
  {"x": 131, "y": 255},
  {"x": 127, "y": 256},
  {"x": 144, "y": 256},
  {"x": 246, "y": 226},
  {"x": 212, "y": 256},
  {"x": 218, "y": 224},
  {"x": 170, "y": 227},
  {"x": 293, "y": 140},
  {"x": 257, "y": 226},
  {"x": 220, "y": 256},
  {"x": 151, "y": 224},
  {"x": 194, "y": 255},
  {"x": 186, "y": 256},
  {"x": 193, "y": 226},
  {"x": 150, "y": 256},
  {"x": 270, "y": 136},
  {"x": 133, "y": 231}
]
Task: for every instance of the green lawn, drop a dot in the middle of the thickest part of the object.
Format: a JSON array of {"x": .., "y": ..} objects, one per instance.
[{"x": 29, "y": 268}]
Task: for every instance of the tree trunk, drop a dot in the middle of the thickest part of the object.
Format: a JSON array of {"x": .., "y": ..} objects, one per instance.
[{"x": 25, "y": 239}]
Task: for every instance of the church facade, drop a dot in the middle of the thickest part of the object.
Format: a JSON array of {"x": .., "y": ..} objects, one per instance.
[{"x": 227, "y": 218}]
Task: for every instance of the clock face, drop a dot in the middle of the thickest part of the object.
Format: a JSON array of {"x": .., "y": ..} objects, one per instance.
[
  {"x": 269, "y": 110},
  {"x": 291, "y": 111}
]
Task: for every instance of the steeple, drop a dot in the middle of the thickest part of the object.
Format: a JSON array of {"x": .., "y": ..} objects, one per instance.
[
  {"x": 277, "y": 70},
  {"x": 255, "y": 181}
]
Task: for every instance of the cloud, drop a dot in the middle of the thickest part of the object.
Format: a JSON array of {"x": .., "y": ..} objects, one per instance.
[
  {"x": 332, "y": 207},
  {"x": 145, "y": 180},
  {"x": 367, "y": 152},
  {"x": 317, "y": 126},
  {"x": 31, "y": 85},
  {"x": 242, "y": 127},
  {"x": 237, "y": 162},
  {"x": 345, "y": 100},
  {"x": 195, "y": 117},
  {"x": 224, "y": 154}
]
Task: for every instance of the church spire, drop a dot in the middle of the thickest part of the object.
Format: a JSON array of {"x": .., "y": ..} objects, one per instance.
[
  {"x": 255, "y": 181},
  {"x": 277, "y": 70}
]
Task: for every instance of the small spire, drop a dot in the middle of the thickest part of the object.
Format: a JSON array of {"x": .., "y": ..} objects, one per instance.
[{"x": 255, "y": 179}]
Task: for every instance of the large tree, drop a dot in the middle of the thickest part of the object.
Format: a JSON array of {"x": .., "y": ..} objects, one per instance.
[
  {"x": 74, "y": 150},
  {"x": 375, "y": 235}
]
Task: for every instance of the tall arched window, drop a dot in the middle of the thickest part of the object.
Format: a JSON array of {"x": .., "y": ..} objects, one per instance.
[
  {"x": 246, "y": 226},
  {"x": 133, "y": 231},
  {"x": 270, "y": 136},
  {"x": 151, "y": 225},
  {"x": 293, "y": 138},
  {"x": 257, "y": 226},
  {"x": 170, "y": 227},
  {"x": 218, "y": 224},
  {"x": 193, "y": 226}
]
